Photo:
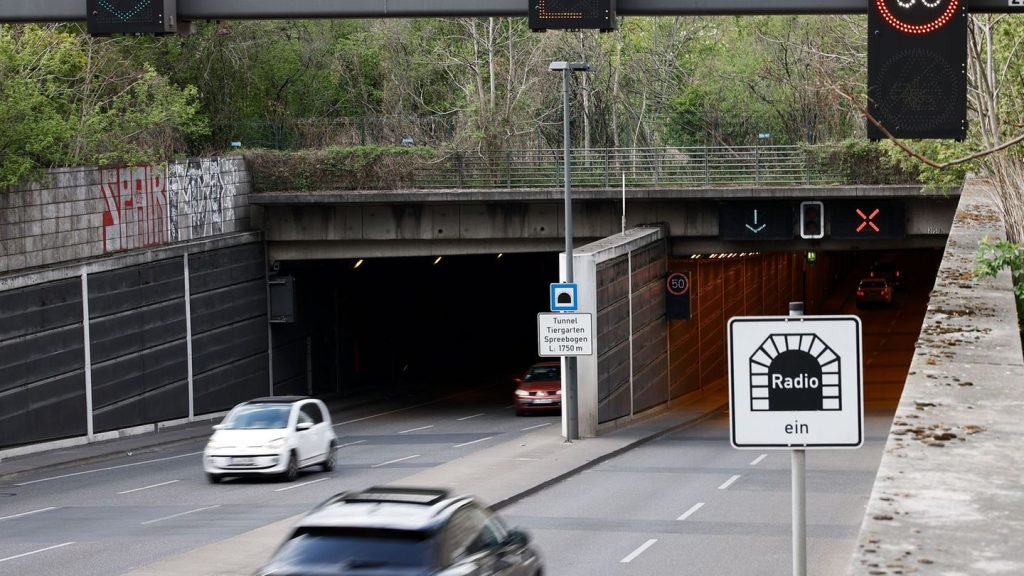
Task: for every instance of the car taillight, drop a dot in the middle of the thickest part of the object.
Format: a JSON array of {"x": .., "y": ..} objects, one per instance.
[
  {"x": 897, "y": 273},
  {"x": 860, "y": 292}
]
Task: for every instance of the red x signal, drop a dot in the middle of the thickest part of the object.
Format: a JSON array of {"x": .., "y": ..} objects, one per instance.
[{"x": 867, "y": 220}]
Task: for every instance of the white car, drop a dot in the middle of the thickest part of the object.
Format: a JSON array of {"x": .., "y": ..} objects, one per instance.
[{"x": 277, "y": 435}]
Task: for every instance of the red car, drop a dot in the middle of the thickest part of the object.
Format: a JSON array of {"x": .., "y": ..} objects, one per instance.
[{"x": 540, "y": 389}]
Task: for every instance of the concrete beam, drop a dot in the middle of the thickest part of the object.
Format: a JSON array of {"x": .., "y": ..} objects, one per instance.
[{"x": 72, "y": 10}]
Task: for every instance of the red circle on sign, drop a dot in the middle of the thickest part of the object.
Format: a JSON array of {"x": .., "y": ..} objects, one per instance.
[
  {"x": 674, "y": 291},
  {"x": 890, "y": 14}
]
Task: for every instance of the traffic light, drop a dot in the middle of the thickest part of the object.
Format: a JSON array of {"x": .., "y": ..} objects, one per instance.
[
  {"x": 812, "y": 220},
  {"x": 131, "y": 16},
  {"x": 572, "y": 15},
  {"x": 917, "y": 68}
]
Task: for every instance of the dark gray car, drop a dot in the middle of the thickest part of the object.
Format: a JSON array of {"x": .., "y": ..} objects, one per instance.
[{"x": 388, "y": 531}]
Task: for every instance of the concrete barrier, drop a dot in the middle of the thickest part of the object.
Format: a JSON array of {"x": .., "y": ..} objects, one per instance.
[{"x": 949, "y": 495}]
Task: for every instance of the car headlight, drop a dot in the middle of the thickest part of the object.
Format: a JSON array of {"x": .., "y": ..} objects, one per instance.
[
  {"x": 522, "y": 393},
  {"x": 275, "y": 444},
  {"x": 559, "y": 391},
  {"x": 216, "y": 445}
]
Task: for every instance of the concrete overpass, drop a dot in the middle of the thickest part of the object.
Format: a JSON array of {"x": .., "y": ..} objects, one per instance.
[{"x": 374, "y": 223}]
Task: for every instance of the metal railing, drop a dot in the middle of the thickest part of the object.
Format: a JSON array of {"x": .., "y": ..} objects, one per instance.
[{"x": 689, "y": 167}]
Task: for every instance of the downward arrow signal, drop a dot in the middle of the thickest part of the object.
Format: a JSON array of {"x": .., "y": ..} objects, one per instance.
[{"x": 755, "y": 228}]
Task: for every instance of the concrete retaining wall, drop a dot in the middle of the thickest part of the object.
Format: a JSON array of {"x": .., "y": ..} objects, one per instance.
[
  {"x": 77, "y": 213},
  {"x": 948, "y": 498}
]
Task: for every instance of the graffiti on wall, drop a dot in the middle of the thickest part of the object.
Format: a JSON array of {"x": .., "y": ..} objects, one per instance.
[
  {"x": 135, "y": 207},
  {"x": 152, "y": 205}
]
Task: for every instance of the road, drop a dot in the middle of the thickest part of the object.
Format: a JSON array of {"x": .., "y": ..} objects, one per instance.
[
  {"x": 686, "y": 502},
  {"x": 110, "y": 517},
  {"x": 689, "y": 503}
]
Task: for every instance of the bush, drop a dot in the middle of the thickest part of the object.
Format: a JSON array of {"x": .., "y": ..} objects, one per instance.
[
  {"x": 859, "y": 162},
  {"x": 336, "y": 168}
]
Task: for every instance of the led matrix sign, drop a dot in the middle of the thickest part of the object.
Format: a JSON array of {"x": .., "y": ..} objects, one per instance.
[
  {"x": 917, "y": 68},
  {"x": 572, "y": 14},
  {"x": 131, "y": 16}
]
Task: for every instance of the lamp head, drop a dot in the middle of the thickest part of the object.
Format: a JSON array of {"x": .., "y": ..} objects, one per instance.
[{"x": 570, "y": 66}]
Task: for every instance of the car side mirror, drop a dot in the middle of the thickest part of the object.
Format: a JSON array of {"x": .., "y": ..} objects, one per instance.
[
  {"x": 218, "y": 426},
  {"x": 517, "y": 537},
  {"x": 303, "y": 426}
]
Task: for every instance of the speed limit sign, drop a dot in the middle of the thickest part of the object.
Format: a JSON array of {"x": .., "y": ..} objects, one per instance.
[{"x": 677, "y": 296}]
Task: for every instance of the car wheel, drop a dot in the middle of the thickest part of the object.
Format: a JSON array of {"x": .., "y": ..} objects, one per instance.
[
  {"x": 331, "y": 460},
  {"x": 214, "y": 478},
  {"x": 292, "y": 471}
]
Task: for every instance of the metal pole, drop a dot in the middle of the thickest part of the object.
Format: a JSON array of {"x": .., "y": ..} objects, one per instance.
[
  {"x": 571, "y": 407},
  {"x": 799, "y": 497}
]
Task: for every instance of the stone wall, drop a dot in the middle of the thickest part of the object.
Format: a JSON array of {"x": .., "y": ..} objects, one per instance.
[{"x": 77, "y": 213}]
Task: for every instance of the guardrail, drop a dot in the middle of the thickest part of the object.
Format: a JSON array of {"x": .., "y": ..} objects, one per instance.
[{"x": 653, "y": 167}]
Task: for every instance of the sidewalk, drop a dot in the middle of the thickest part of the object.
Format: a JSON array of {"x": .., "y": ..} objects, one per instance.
[{"x": 499, "y": 476}]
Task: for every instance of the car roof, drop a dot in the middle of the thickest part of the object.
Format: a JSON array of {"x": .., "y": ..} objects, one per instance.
[
  {"x": 547, "y": 363},
  {"x": 386, "y": 507},
  {"x": 278, "y": 400}
]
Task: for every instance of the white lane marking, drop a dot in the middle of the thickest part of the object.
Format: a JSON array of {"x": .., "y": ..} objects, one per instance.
[
  {"x": 395, "y": 410},
  {"x": 352, "y": 443},
  {"x": 108, "y": 468},
  {"x": 638, "y": 551},
  {"x": 300, "y": 485},
  {"x": 689, "y": 512},
  {"x": 27, "y": 513},
  {"x": 415, "y": 429},
  {"x": 758, "y": 459},
  {"x": 729, "y": 482},
  {"x": 393, "y": 461},
  {"x": 36, "y": 551},
  {"x": 148, "y": 487},
  {"x": 537, "y": 426},
  {"x": 468, "y": 417},
  {"x": 473, "y": 442},
  {"x": 180, "y": 514},
  {"x": 528, "y": 459}
]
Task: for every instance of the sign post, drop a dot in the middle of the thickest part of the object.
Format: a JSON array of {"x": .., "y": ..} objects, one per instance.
[{"x": 796, "y": 383}]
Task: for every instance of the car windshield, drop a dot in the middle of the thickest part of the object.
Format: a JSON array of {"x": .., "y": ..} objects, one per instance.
[
  {"x": 356, "y": 548},
  {"x": 872, "y": 284},
  {"x": 543, "y": 373},
  {"x": 258, "y": 417}
]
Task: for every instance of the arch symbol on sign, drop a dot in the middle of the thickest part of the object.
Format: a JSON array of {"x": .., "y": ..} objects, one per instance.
[
  {"x": 794, "y": 372},
  {"x": 868, "y": 220}
]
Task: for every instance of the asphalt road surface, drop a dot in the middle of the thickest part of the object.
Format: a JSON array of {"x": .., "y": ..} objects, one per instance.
[
  {"x": 111, "y": 517},
  {"x": 685, "y": 504}
]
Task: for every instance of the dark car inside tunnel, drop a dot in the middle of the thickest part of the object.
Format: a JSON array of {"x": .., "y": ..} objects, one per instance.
[{"x": 392, "y": 326}]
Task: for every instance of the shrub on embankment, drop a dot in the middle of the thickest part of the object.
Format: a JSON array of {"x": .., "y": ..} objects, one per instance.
[{"x": 336, "y": 168}]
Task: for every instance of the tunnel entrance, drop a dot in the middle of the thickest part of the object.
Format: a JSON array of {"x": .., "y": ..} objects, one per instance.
[{"x": 390, "y": 325}]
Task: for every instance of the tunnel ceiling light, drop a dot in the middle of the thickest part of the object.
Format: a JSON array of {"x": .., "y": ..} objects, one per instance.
[
  {"x": 357, "y": 264},
  {"x": 438, "y": 261},
  {"x": 500, "y": 254}
]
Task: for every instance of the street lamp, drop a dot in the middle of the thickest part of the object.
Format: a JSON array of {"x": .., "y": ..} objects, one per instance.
[{"x": 571, "y": 405}]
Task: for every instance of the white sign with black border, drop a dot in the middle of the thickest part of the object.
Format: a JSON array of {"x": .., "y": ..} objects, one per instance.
[
  {"x": 795, "y": 382},
  {"x": 564, "y": 334}
]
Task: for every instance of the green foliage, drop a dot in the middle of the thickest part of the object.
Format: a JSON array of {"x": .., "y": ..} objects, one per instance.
[
  {"x": 336, "y": 168},
  {"x": 994, "y": 257},
  {"x": 859, "y": 162},
  {"x": 939, "y": 151},
  {"x": 66, "y": 99}
]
